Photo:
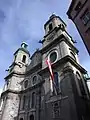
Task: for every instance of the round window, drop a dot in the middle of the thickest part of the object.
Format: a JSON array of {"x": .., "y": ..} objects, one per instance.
[
  {"x": 53, "y": 57},
  {"x": 26, "y": 83},
  {"x": 34, "y": 79}
]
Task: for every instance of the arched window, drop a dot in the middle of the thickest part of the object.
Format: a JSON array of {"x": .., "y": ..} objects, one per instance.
[
  {"x": 25, "y": 83},
  {"x": 21, "y": 118},
  {"x": 24, "y": 59},
  {"x": 81, "y": 86},
  {"x": 24, "y": 101},
  {"x": 50, "y": 27},
  {"x": 31, "y": 117},
  {"x": 56, "y": 82},
  {"x": 33, "y": 100},
  {"x": 78, "y": 6},
  {"x": 34, "y": 79},
  {"x": 29, "y": 101}
]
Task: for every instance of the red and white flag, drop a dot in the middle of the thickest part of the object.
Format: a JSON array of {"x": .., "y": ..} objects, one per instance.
[
  {"x": 50, "y": 69},
  {"x": 52, "y": 76}
]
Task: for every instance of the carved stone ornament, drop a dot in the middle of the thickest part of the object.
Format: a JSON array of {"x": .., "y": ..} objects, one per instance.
[{"x": 56, "y": 109}]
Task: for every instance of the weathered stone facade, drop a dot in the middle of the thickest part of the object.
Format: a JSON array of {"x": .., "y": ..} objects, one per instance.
[{"x": 29, "y": 91}]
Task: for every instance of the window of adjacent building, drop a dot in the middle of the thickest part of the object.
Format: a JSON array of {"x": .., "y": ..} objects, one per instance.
[
  {"x": 24, "y": 59},
  {"x": 50, "y": 27},
  {"x": 78, "y": 6},
  {"x": 86, "y": 17},
  {"x": 33, "y": 100},
  {"x": 88, "y": 31},
  {"x": 81, "y": 86},
  {"x": 53, "y": 57}
]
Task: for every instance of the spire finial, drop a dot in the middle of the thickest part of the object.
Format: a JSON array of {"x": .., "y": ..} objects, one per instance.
[
  {"x": 53, "y": 15},
  {"x": 24, "y": 45}
]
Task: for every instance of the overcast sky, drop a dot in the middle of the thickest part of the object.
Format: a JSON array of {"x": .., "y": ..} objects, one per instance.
[{"x": 23, "y": 20}]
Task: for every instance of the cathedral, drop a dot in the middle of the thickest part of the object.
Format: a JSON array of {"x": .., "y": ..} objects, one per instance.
[{"x": 30, "y": 93}]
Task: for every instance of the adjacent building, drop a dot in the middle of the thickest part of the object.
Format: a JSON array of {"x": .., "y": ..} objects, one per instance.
[
  {"x": 79, "y": 13},
  {"x": 29, "y": 92}
]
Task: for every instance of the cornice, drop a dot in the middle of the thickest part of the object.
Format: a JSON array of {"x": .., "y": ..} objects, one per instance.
[
  {"x": 14, "y": 73},
  {"x": 62, "y": 61},
  {"x": 56, "y": 41},
  {"x": 10, "y": 91}
]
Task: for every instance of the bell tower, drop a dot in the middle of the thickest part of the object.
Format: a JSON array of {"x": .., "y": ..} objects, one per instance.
[
  {"x": 21, "y": 59},
  {"x": 53, "y": 22},
  {"x": 51, "y": 27},
  {"x": 58, "y": 40},
  {"x": 10, "y": 95},
  {"x": 67, "y": 93}
]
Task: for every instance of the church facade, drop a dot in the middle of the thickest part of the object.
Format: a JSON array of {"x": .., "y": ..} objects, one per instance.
[{"x": 31, "y": 94}]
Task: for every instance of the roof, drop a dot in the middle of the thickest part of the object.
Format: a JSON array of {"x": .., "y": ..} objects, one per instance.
[
  {"x": 36, "y": 59},
  {"x": 37, "y": 51},
  {"x": 23, "y": 49},
  {"x": 53, "y": 16}
]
